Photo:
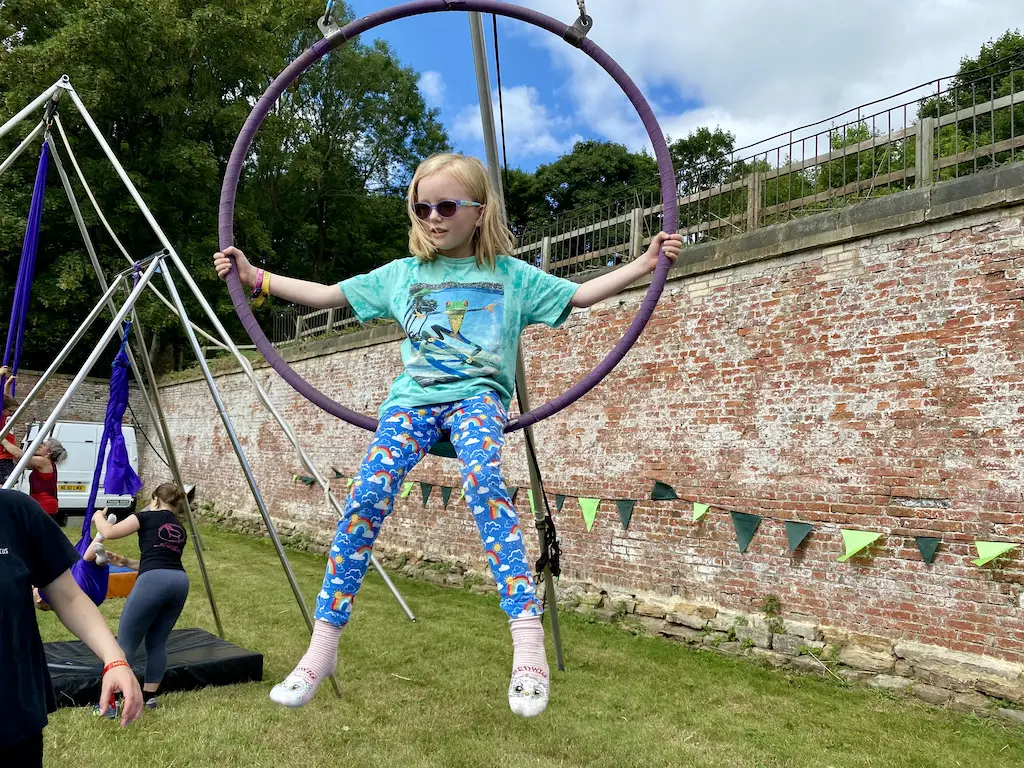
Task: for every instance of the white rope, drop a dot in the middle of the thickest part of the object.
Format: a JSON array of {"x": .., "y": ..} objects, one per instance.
[{"x": 113, "y": 235}]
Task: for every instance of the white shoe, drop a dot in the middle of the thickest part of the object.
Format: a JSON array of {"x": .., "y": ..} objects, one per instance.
[
  {"x": 101, "y": 555},
  {"x": 528, "y": 694},
  {"x": 294, "y": 691}
]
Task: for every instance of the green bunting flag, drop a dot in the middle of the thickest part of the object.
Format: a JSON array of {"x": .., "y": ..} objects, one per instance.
[
  {"x": 348, "y": 483},
  {"x": 699, "y": 510},
  {"x": 663, "y": 492},
  {"x": 337, "y": 474},
  {"x": 559, "y": 501},
  {"x": 990, "y": 550},
  {"x": 529, "y": 495},
  {"x": 307, "y": 481},
  {"x": 796, "y": 533},
  {"x": 746, "y": 526},
  {"x": 425, "y": 489},
  {"x": 856, "y": 541},
  {"x": 589, "y": 507},
  {"x": 407, "y": 489},
  {"x": 927, "y": 545},
  {"x": 446, "y": 494},
  {"x": 462, "y": 493},
  {"x": 625, "y": 511},
  {"x": 512, "y": 495}
]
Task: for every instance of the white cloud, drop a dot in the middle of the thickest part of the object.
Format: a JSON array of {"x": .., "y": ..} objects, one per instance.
[
  {"x": 432, "y": 87},
  {"x": 529, "y": 128},
  {"x": 760, "y": 68}
]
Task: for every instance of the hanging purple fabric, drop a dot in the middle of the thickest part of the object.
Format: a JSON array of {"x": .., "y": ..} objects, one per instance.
[
  {"x": 27, "y": 267},
  {"x": 119, "y": 479}
]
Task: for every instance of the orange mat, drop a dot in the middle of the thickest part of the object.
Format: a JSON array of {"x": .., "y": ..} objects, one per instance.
[{"x": 121, "y": 582}]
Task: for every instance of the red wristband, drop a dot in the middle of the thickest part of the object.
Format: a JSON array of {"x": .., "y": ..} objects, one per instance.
[{"x": 116, "y": 663}]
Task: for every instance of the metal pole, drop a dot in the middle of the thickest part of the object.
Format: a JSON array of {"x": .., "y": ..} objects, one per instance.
[
  {"x": 39, "y": 101},
  {"x": 483, "y": 86},
  {"x": 80, "y": 377},
  {"x": 172, "y": 461},
  {"x": 101, "y": 278},
  {"x": 172, "y": 290},
  {"x": 156, "y": 414},
  {"x": 307, "y": 462},
  {"x": 21, "y": 147},
  {"x": 106, "y": 224},
  {"x": 72, "y": 343},
  {"x": 126, "y": 180}
]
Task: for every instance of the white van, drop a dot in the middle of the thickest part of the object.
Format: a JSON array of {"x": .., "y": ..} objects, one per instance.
[{"x": 81, "y": 439}]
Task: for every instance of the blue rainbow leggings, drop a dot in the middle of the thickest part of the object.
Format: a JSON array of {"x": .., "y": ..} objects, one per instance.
[{"x": 404, "y": 436}]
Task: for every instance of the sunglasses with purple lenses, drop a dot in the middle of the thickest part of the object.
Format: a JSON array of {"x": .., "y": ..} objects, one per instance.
[{"x": 445, "y": 208}]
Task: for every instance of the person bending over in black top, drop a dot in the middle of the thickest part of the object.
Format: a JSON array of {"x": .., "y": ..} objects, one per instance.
[
  {"x": 159, "y": 594},
  {"x": 34, "y": 552}
]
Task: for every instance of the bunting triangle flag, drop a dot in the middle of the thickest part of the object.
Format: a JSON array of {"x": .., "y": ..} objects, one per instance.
[
  {"x": 856, "y": 541},
  {"x": 295, "y": 479},
  {"x": 446, "y": 494},
  {"x": 927, "y": 545},
  {"x": 746, "y": 526},
  {"x": 663, "y": 492},
  {"x": 462, "y": 493},
  {"x": 796, "y": 533},
  {"x": 407, "y": 489},
  {"x": 699, "y": 510},
  {"x": 625, "y": 511},
  {"x": 559, "y": 501},
  {"x": 425, "y": 489},
  {"x": 513, "y": 492},
  {"x": 589, "y": 507},
  {"x": 529, "y": 494},
  {"x": 990, "y": 550},
  {"x": 303, "y": 479},
  {"x": 337, "y": 474},
  {"x": 348, "y": 483}
]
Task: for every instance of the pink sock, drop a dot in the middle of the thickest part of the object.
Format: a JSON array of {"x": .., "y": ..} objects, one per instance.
[
  {"x": 317, "y": 664},
  {"x": 530, "y": 685}
]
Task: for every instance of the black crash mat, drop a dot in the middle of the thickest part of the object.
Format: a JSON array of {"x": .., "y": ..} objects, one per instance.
[{"x": 195, "y": 659}]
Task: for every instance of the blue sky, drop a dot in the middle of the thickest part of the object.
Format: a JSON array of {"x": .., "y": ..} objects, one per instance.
[{"x": 749, "y": 66}]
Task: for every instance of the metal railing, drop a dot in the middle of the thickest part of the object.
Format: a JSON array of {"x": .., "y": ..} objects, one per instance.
[
  {"x": 297, "y": 323},
  {"x": 921, "y": 136},
  {"x": 917, "y": 137}
]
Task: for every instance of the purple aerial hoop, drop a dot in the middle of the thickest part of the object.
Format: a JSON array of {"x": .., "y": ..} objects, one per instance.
[{"x": 574, "y": 36}]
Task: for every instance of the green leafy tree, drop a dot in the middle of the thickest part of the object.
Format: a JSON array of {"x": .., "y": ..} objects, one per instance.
[{"x": 169, "y": 83}]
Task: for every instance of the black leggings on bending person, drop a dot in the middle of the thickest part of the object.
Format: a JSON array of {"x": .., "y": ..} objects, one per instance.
[{"x": 149, "y": 614}]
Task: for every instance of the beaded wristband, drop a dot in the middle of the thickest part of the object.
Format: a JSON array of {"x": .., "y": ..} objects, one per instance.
[
  {"x": 116, "y": 663},
  {"x": 264, "y": 290},
  {"x": 257, "y": 284}
]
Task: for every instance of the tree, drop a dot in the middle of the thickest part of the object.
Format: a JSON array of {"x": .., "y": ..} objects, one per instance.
[
  {"x": 997, "y": 70},
  {"x": 702, "y": 158},
  {"x": 593, "y": 172},
  {"x": 169, "y": 83}
]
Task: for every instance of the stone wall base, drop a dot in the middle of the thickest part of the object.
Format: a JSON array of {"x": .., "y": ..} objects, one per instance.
[{"x": 959, "y": 681}]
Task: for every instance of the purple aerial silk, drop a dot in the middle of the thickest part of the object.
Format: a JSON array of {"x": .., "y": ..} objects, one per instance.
[
  {"x": 27, "y": 267},
  {"x": 120, "y": 478}
]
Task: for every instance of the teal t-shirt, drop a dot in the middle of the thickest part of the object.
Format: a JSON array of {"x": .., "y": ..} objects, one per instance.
[{"x": 462, "y": 322}]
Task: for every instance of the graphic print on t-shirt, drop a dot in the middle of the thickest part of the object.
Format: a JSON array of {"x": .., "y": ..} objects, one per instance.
[
  {"x": 455, "y": 330},
  {"x": 171, "y": 536}
]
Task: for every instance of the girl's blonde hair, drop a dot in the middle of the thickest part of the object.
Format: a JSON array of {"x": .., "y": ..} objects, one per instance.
[{"x": 491, "y": 238}]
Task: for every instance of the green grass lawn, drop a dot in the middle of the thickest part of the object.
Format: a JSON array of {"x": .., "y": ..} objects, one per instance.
[{"x": 433, "y": 694}]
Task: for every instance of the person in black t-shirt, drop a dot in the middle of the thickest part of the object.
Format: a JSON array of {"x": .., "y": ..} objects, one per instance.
[
  {"x": 34, "y": 552},
  {"x": 159, "y": 594}
]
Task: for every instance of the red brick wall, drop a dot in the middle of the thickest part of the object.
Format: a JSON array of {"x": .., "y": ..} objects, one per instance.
[
  {"x": 877, "y": 384},
  {"x": 89, "y": 403}
]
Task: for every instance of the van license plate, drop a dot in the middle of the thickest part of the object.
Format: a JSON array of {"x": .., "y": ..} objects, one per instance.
[{"x": 71, "y": 487}]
